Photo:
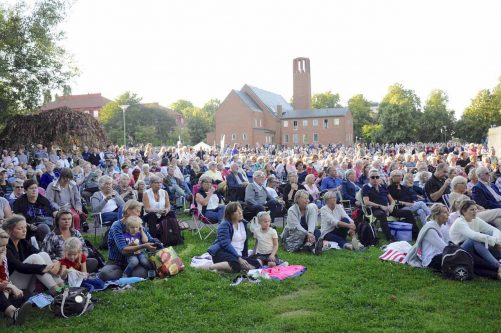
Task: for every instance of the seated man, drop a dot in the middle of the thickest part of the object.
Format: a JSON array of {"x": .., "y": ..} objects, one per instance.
[
  {"x": 213, "y": 173},
  {"x": 173, "y": 186},
  {"x": 236, "y": 183},
  {"x": 256, "y": 197},
  {"x": 438, "y": 184},
  {"x": 331, "y": 181},
  {"x": 375, "y": 195},
  {"x": 483, "y": 192}
]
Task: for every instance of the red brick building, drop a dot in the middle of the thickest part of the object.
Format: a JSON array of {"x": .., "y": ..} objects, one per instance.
[
  {"x": 89, "y": 103},
  {"x": 255, "y": 116}
]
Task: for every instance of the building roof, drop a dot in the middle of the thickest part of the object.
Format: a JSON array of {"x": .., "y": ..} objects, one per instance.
[
  {"x": 271, "y": 100},
  {"x": 77, "y": 102},
  {"x": 315, "y": 113},
  {"x": 248, "y": 101}
]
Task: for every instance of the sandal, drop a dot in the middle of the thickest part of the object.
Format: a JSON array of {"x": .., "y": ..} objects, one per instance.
[{"x": 183, "y": 225}]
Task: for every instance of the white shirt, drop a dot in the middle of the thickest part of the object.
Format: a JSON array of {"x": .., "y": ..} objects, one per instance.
[
  {"x": 331, "y": 217},
  {"x": 239, "y": 237},
  {"x": 265, "y": 240},
  {"x": 160, "y": 204},
  {"x": 477, "y": 230},
  {"x": 110, "y": 206},
  {"x": 272, "y": 192}
]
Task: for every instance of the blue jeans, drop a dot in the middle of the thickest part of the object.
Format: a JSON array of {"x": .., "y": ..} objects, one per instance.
[
  {"x": 338, "y": 235},
  {"x": 215, "y": 215},
  {"x": 135, "y": 260},
  {"x": 111, "y": 216},
  {"x": 489, "y": 255}
]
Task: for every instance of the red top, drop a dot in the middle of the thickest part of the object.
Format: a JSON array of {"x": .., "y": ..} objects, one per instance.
[
  {"x": 4, "y": 277},
  {"x": 73, "y": 264}
]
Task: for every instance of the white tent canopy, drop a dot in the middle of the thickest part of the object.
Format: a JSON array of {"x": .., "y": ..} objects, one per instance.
[{"x": 201, "y": 145}]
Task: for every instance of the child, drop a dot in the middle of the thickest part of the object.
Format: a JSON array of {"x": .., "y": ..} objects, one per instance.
[
  {"x": 135, "y": 236},
  {"x": 266, "y": 246},
  {"x": 73, "y": 257},
  {"x": 7, "y": 289}
]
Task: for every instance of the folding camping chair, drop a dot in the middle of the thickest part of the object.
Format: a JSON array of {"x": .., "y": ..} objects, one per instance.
[{"x": 201, "y": 222}]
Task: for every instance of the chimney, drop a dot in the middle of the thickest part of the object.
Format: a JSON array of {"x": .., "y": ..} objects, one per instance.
[
  {"x": 279, "y": 111},
  {"x": 302, "y": 83}
]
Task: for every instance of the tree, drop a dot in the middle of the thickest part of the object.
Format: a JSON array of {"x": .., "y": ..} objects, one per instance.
[
  {"x": 210, "y": 107},
  {"x": 144, "y": 122},
  {"x": 198, "y": 124},
  {"x": 436, "y": 119},
  {"x": 372, "y": 132},
  {"x": 399, "y": 115},
  {"x": 66, "y": 90},
  {"x": 47, "y": 97},
  {"x": 33, "y": 60},
  {"x": 325, "y": 100},
  {"x": 180, "y": 105},
  {"x": 361, "y": 111}
]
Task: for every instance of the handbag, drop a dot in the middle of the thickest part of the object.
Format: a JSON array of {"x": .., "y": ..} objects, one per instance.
[{"x": 73, "y": 301}]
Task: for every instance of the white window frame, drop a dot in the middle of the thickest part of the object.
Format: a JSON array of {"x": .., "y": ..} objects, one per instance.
[
  {"x": 326, "y": 123},
  {"x": 233, "y": 136},
  {"x": 244, "y": 136},
  {"x": 295, "y": 138},
  {"x": 315, "y": 135},
  {"x": 286, "y": 138},
  {"x": 305, "y": 138},
  {"x": 336, "y": 121},
  {"x": 305, "y": 122},
  {"x": 286, "y": 123},
  {"x": 314, "y": 122},
  {"x": 295, "y": 124}
]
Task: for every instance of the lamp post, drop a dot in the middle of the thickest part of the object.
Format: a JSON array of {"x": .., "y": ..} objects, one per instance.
[{"x": 124, "y": 107}]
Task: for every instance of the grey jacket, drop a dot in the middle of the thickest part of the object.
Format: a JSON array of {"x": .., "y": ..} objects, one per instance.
[
  {"x": 97, "y": 201},
  {"x": 256, "y": 194},
  {"x": 294, "y": 218},
  {"x": 412, "y": 258},
  {"x": 53, "y": 193}
]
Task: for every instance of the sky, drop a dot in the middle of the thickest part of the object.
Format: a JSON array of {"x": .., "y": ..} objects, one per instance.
[{"x": 200, "y": 49}]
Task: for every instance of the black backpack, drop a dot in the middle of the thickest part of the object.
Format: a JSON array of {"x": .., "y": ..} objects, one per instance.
[
  {"x": 72, "y": 302},
  {"x": 94, "y": 253},
  {"x": 366, "y": 233},
  {"x": 457, "y": 264},
  {"x": 170, "y": 233}
]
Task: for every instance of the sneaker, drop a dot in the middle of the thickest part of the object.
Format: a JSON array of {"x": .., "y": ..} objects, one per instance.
[
  {"x": 253, "y": 279},
  {"x": 319, "y": 245},
  {"x": 355, "y": 244},
  {"x": 20, "y": 314},
  {"x": 236, "y": 281}
]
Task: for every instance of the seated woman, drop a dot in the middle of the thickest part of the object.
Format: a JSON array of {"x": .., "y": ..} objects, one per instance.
[
  {"x": 124, "y": 189},
  {"x": 90, "y": 183},
  {"x": 36, "y": 209},
  {"x": 26, "y": 263},
  {"x": 209, "y": 201},
  {"x": 311, "y": 186},
  {"x": 107, "y": 201},
  {"x": 5, "y": 211},
  {"x": 430, "y": 241},
  {"x": 405, "y": 198},
  {"x": 63, "y": 193},
  {"x": 17, "y": 191},
  {"x": 119, "y": 249},
  {"x": 53, "y": 244},
  {"x": 230, "y": 251},
  {"x": 300, "y": 231},
  {"x": 301, "y": 172},
  {"x": 156, "y": 206},
  {"x": 474, "y": 234},
  {"x": 140, "y": 187},
  {"x": 336, "y": 224},
  {"x": 291, "y": 188},
  {"x": 349, "y": 189},
  {"x": 459, "y": 194}
]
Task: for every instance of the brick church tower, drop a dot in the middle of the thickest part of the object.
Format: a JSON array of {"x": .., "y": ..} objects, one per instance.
[{"x": 302, "y": 84}]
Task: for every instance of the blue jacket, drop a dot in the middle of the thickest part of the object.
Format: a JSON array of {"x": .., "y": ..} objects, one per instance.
[
  {"x": 330, "y": 183},
  {"x": 349, "y": 191},
  {"x": 231, "y": 181},
  {"x": 223, "y": 240},
  {"x": 483, "y": 197}
]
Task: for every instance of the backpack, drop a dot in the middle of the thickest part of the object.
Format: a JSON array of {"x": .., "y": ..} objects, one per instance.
[
  {"x": 166, "y": 262},
  {"x": 73, "y": 301},
  {"x": 170, "y": 233},
  {"x": 367, "y": 234},
  {"x": 457, "y": 264},
  {"x": 94, "y": 253}
]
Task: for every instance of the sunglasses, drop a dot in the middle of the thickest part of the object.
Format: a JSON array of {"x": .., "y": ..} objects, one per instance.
[
  {"x": 374, "y": 177},
  {"x": 19, "y": 187}
]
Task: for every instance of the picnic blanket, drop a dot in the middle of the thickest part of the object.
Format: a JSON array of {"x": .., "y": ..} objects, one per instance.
[
  {"x": 395, "y": 252},
  {"x": 278, "y": 273}
]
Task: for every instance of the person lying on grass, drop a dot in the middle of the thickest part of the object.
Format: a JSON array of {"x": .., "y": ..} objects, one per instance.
[
  {"x": 266, "y": 247},
  {"x": 229, "y": 250}
]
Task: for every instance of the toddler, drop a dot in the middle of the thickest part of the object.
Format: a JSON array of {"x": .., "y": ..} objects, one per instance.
[
  {"x": 266, "y": 247},
  {"x": 135, "y": 236},
  {"x": 73, "y": 257}
]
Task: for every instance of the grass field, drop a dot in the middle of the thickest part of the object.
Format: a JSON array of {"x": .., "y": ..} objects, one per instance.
[{"x": 340, "y": 292}]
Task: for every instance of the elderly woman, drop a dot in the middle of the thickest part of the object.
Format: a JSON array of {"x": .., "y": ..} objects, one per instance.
[
  {"x": 17, "y": 192},
  {"x": 119, "y": 249},
  {"x": 430, "y": 242},
  {"x": 474, "y": 234},
  {"x": 5, "y": 210},
  {"x": 36, "y": 209},
  {"x": 473, "y": 179},
  {"x": 140, "y": 188},
  {"x": 90, "y": 182},
  {"x": 230, "y": 250},
  {"x": 349, "y": 189},
  {"x": 124, "y": 189},
  {"x": 156, "y": 206},
  {"x": 26, "y": 263},
  {"x": 209, "y": 200},
  {"x": 107, "y": 201},
  {"x": 213, "y": 173},
  {"x": 335, "y": 223},
  {"x": 53, "y": 244},
  {"x": 460, "y": 193},
  {"x": 405, "y": 197},
  {"x": 63, "y": 193},
  {"x": 291, "y": 188},
  {"x": 300, "y": 231}
]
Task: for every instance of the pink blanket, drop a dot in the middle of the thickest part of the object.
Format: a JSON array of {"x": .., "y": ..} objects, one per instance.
[{"x": 284, "y": 272}]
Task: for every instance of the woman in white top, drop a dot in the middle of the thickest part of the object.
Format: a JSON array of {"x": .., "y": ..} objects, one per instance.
[
  {"x": 156, "y": 206},
  {"x": 311, "y": 187},
  {"x": 209, "y": 200},
  {"x": 335, "y": 223},
  {"x": 472, "y": 233},
  {"x": 430, "y": 241}
]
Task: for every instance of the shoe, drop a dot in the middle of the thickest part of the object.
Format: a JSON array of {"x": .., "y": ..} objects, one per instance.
[
  {"x": 355, "y": 244},
  {"x": 253, "y": 279},
  {"x": 85, "y": 227},
  {"x": 239, "y": 279},
  {"x": 319, "y": 245},
  {"x": 20, "y": 314}
]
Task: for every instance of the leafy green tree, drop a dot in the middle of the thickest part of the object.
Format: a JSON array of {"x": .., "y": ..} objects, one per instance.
[
  {"x": 32, "y": 59},
  {"x": 66, "y": 90},
  {"x": 180, "y": 105},
  {"x": 47, "y": 97},
  {"x": 436, "y": 118},
  {"x": 210, "y": 107},
  {"x": 372, "y": 132},
  {"x": 399, "y": 115},
  {"x": 361, "y": 111},
  {"x": 198, "y": 124},
  {"x": 325, "y": 100}
]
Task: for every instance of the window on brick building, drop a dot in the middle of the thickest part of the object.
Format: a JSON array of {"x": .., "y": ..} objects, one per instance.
[
  {"x": 305, "y": 122},
  {"x": 95, "y": 113},
  {"x": 233, "y": 136},
  {"x": 260, "y": 123},
  {"x": 315, "y": 137},
  {"x": 326, "y": 123},
  {"x": 295, "y": 139},
  {"x": 336, "y": 121},
  {"x": 315, "y": 122},
  {"x": 244, "y": 136},
  {"x": 286, "y": 138},
  {"x": 305, "y": 138},
  {"x": 286, "y": 123},
  {"x": 294, "y": 125}
]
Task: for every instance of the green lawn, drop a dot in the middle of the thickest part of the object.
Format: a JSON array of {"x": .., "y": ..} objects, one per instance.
[{"x": 340, "y": 292}]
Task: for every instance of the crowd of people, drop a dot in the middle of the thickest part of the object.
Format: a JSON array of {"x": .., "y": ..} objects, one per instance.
[{"x": 453, "y": 188}]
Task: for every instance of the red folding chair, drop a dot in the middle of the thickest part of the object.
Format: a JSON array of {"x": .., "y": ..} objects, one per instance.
[{"x": 201, "y": 222}]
